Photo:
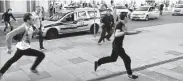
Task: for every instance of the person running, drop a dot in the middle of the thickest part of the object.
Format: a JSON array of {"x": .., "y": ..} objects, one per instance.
[
  {"x": 38, "y": 24},
  {"x": 23, "y": 46},
  {"x": 6, "y": 19},
  {"x": 107, "y": 24},
  {"x": 118, "y": 49}
]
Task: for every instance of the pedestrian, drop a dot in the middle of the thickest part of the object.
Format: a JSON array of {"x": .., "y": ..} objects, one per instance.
[
  {"x": 107, "y": 24},
  {"x": 118, "y": 49},
  {"x": 43, "y": 13},
  {"x": 23, "y": 46},
  {"x": 6, "y": 19},
  {"x": 37, "y": 14},
  {"x": 51, "y": 9},
  {"x": 161, "y": 9}
]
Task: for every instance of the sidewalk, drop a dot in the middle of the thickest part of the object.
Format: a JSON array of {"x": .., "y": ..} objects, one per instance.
[{"x": 72, "y": 58}]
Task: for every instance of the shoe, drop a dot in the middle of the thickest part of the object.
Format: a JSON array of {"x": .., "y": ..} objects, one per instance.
[
  {"x": 42, "y": 49},
  {"x": 133, "y": 76},
  {"x": 108, "y": 39},
  {"x": 96, "y": 65},
  {"x": 34, "y": 71}
]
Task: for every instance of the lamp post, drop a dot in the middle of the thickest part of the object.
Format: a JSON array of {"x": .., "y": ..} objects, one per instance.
[{"x": 94, "y": 19}]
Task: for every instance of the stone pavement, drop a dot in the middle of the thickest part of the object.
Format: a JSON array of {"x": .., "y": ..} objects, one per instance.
[{"x": 156, "y": 55}]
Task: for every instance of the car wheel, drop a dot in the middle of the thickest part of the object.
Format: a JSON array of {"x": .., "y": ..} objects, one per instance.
[
  {"x": 96, "y": 29},
  {"x": 173, "y": 14},
  {"x": 52, "y": 34},
  {"x": 147, "y": 18}
]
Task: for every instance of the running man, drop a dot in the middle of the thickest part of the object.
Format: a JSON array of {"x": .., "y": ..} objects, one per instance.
[
  {"x": 6, "y": 19},
  {"x": 118, "y": 49},
  {"x": 23, "y": 47}
]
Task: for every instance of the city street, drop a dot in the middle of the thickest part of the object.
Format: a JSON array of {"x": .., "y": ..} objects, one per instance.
[
  {"x": 156, "y": 56},
  {"x": 64, "y": 48},
  {"x": 167, "y": 18}
]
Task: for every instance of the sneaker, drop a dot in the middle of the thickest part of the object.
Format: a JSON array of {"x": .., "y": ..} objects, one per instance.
[
  {"x": 96, "y": 65},
  {"x": 108, "y": 39},
  {"x": 42, "y": 49},
  {"x": 133, "y": 76},
  {"x": 34, "y": 71}
]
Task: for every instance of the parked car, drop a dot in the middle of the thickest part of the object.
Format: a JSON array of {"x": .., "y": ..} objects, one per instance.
[
  {"x": 120, "y": 9},
  {"x": 177, "y": 10},
  {"x": 69, "y": 21},
  {"x": 145, "y": 13}
]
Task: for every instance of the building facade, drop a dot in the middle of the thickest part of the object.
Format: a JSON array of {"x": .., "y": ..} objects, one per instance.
[{"x": 22, "y": 6}]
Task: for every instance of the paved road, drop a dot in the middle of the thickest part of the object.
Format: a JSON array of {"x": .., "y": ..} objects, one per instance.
[
  {"x": 71, "y": 58},
  {"x": 165, "y": 19}
]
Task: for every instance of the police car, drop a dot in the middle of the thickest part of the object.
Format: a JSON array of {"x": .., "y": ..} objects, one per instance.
[{"x": 69, "y": 21}]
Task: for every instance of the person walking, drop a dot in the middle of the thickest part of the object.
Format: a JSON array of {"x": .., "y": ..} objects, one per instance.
[
  {"x": 118, "y": 49},
  {"x": 6, "y": 19},
  {"x": 107, "y": 24},
  {"x": 38, "y": 15},
  {"x": 23, "y": 46},
  {"x": 161, "y": 9}
]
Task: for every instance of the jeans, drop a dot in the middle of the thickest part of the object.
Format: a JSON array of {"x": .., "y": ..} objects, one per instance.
[
  {"x": 19, "y": 53},
  {"x": 6, "y": 25},
  {"x": 119, "y": 51},
  {"x": 108, "y": 29},
  {"x": 41, "y": 39}
]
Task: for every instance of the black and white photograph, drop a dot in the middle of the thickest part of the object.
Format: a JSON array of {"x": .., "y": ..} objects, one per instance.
[{"x": 91, "y": 40}]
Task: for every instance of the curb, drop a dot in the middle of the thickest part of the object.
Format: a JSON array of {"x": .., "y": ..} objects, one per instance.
[{"x": 137, "y": 69}]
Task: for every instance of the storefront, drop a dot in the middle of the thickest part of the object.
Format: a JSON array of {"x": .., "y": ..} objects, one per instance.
[{"x": 22, "y": 6}]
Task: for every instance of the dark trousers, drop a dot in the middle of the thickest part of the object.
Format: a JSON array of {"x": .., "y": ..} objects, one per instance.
[
  {"x": 19, "y": 53},
  {"x": 161, "y": 12},
  {"x": 41, "y": 39},
  {"x": 108, "y": 29},
  {"x": 6, "y": 25},
  {"x": 113, "y": 58}
]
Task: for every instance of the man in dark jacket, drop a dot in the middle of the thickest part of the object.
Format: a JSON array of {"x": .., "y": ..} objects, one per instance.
[
  {"x": 6, "y": 19},
  {"x": 161, "y": 9},
  {"x": 107, "y": 24}
]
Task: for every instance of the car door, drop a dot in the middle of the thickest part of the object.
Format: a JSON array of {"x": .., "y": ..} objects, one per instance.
[
  {"x": 68, "y": 23},
  {"x": 156, "y": 12},
  {"x": 151, "y": 12},
  {"x": 82, "y": 21}
]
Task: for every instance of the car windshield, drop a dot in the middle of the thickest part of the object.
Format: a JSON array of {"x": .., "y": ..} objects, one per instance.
[
  {"x": 179, "y": 6},
  {"x": 57, "y": 16},
  {"x": 142, "y": 9},
  {"x": 121, "y": 7}
]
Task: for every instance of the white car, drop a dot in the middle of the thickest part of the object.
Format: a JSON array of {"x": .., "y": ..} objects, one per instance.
[
  {"x": 68, "y": 21},
  {"x": 177, "y": 10},
  {"x": 145, "y": 13},
  {"x": 120, "y": 9}
]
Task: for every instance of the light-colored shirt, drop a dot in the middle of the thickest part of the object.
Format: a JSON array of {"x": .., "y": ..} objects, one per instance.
[
  {"x": 23, "y": 44},
  {"x": 37, "y": 19}
]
